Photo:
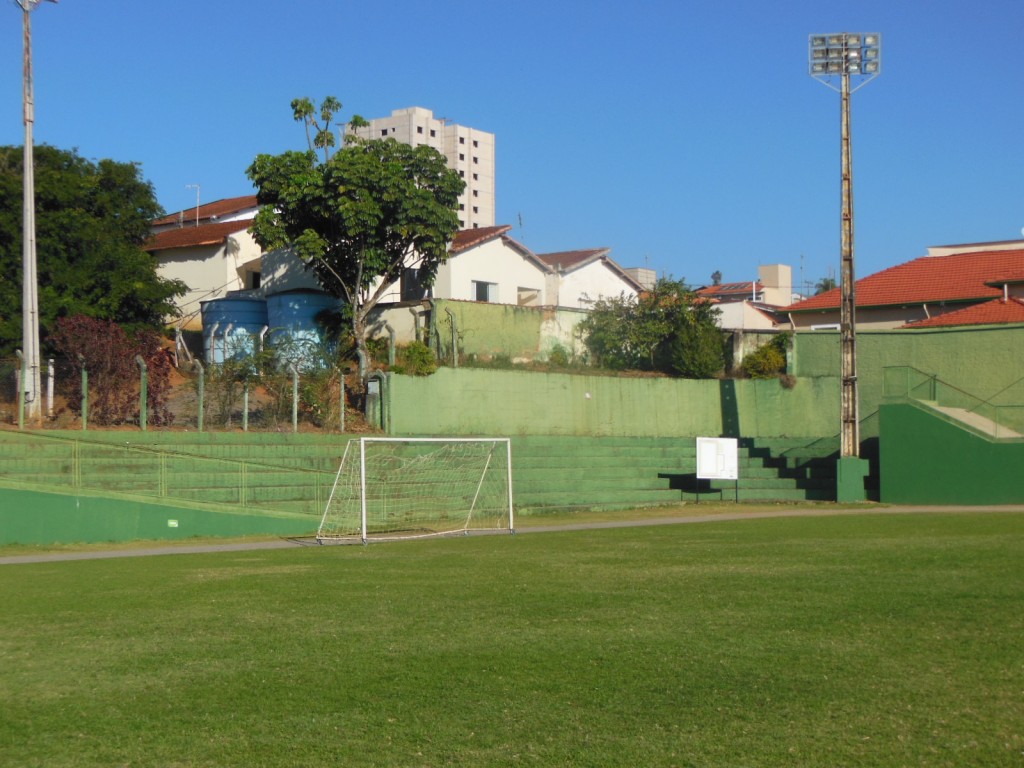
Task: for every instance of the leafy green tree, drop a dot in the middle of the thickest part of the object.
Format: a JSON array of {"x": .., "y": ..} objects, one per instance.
[
  {"x": 360, "y": 216},
  {"x": 665, "y": 329},
  {"x": 92, "y": 219}
]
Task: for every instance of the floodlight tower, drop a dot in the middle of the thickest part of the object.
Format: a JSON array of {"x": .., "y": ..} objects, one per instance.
[
  {"x": 29, "y": 281},
  {"x": 844, "y": 55}
]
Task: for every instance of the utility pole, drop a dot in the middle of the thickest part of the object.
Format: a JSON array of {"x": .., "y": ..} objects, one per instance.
[{"x": 29, "y": 280}]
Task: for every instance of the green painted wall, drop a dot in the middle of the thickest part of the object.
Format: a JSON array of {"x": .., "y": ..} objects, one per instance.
[
  {"x": 521, "y": 333},
  {"x": 925, "y": 459},
  {"x": 476, "y": 401},
  {"x": 34, "y": 517},
  {"x": 983, "y": 361}
]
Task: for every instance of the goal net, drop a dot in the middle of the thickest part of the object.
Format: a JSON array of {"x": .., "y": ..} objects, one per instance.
[{"x": 399, "y": 488}]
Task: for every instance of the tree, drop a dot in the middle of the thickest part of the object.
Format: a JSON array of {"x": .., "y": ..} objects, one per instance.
[
  {"x": 92, "y": 219},
  {"x": 358, "y": 217},
  {"x": 824, "y": 285},
  {"x": 665, "y": 329}
]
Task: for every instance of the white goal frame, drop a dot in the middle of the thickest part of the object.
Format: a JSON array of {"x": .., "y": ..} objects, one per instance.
[{"x": 348, "y": 515}]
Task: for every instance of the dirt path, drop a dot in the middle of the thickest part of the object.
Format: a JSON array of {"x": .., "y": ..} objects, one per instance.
[{"x": 289, "y": 543}]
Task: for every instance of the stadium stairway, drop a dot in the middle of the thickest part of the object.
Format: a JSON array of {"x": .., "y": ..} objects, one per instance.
[{"x": 560, "y": 472}]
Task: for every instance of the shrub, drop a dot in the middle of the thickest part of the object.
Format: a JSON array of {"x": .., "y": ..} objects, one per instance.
[
  {"x": 417, "y": 359},
  {"x": 768, "y": 360},
  {"x": 108, "y": 354}
]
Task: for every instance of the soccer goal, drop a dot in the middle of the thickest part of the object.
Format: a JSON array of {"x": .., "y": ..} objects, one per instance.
[{"x": 399, "y": 488}]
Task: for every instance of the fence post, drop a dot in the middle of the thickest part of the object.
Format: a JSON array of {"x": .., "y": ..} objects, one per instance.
[
  {"x": 143, "y": 390},
  {"x": 51, "y": 373},
  {"x": 21, "y": 389},
  {"x": 341, "y": 376},
  {"x": 245, "y": 405},
  {"x": 85, "y": 393},
  {"x": 295, "y": 397},
  {"x": 200, "y": 393}
]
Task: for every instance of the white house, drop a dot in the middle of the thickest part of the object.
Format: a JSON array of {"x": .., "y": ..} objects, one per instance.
[
  {"x": 580, "y": 278},
  {"x": 209, "y": 249}
]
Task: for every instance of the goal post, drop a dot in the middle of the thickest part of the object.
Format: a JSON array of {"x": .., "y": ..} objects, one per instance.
[{"x": 398, "y": 488}]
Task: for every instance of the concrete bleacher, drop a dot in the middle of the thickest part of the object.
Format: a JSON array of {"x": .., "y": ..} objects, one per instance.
[{"x": 293, "y": 473}]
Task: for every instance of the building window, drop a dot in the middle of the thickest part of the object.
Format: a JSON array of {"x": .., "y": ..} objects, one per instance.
[
  {"x": 461, "y": 157},
  {"x": 384, "y": 132},
  {"x": 462, "y": 206},
  {"x": 462, "y": 174},
  {"x": 485, "y": 291},
  {"x": 412, "y": 287},
  {"x": 462, "y": 139},
  {"x": 254, "y": 281},
  {"x": 476, "y": 143},
  {"x": 476, "y": 193},
  {"x": 433, "y": 133},
  {"x": 476, "y": 177},
  {"x": 419, "y": 129},
  {"x": 475, "y": 209},
  {"x": 476, "y": 160}
]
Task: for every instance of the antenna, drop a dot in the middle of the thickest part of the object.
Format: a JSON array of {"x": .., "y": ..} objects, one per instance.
[{"x": 196, "y": 188}]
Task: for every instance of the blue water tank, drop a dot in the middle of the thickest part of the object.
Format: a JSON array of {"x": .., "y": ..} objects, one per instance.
[
  {"x": 294, "y": 330},
  {"x": 231, "y": 327}
]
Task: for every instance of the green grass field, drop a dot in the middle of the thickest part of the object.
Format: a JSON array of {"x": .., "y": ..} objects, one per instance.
[{"x": 867, "y": 640}]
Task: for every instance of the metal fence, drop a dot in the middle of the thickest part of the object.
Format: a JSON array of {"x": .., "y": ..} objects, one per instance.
[{"x": 216, "y": 397}]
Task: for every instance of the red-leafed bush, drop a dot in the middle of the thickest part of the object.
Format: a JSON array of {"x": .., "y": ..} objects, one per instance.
[{"x": 108, "y": 355}]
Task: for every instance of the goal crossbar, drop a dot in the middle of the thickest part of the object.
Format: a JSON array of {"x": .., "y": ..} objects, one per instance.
[{"x": 396, "y": 488}]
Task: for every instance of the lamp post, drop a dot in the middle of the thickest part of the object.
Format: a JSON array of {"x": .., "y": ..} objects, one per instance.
[
  {"x": 29, "y": 281},
  {"x": 845, "y": 55}
]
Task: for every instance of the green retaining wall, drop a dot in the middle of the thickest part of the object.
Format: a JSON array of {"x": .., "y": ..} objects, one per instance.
[
  {"x": 983, "y": 361},
  {"x": 925, "y": 459},
  {"x": 520, "y": 333},
  {"x": 35, "y": 517},
  {"x": 478, "y": 401}
]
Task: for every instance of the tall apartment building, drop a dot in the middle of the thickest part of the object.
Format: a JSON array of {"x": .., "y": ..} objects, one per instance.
[{"x": 469, "y": 151}]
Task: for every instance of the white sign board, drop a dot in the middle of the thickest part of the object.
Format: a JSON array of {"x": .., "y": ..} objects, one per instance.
[{"x": 717, "y": 458}]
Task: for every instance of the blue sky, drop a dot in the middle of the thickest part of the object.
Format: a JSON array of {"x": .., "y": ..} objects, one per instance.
[{"x": 686, "y": 136}]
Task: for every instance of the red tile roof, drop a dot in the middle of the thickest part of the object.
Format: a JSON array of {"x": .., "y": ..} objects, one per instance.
[
  {"x": 572, "y": 259},
  {"x": 995, "y": 312},
  {"x": 960, "y": 277},
  {"x": 217, "y": 208},
  {"x": 191, "y": 237},
  {"x": 469, "y": 238}
]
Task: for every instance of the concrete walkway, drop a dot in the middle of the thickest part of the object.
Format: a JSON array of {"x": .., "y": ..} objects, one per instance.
[{"x": 291, "y": 543}]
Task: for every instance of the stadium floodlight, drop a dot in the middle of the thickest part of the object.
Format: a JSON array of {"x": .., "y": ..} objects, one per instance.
[
  {"x": 844, "y": 55},
  {"x": 391, "y": 488},
  {"x": 30, "y": 381}
]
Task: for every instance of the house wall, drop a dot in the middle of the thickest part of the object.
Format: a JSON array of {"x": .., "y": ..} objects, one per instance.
[
  {"x": 491, "y": 262},
  {"x": 982, "y": 361},
  {"x": 209, "y": 272},
  {"x": 883, "y": 318},
  {"x": 580, "y": 288},
  {"x": 475, "y": 401},
  {"x": 282, "y": 271}
]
